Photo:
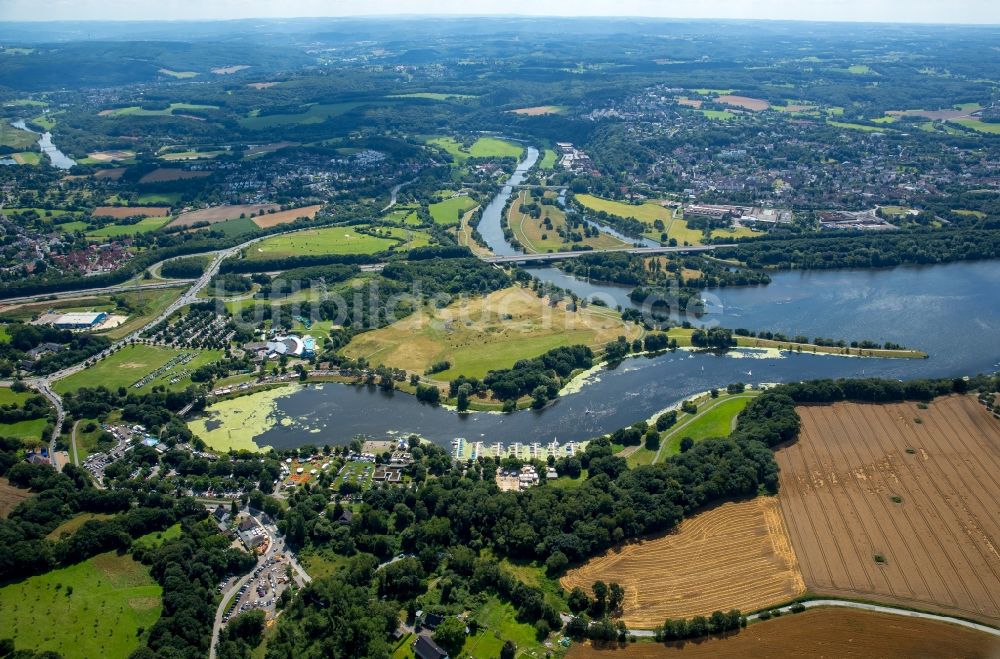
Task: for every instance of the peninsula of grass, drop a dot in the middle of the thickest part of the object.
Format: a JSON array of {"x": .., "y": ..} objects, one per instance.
[
  {"x": 683, "y": 337},
  {"x": 314, "y": 242},
  {"x": 535, "y": 236},
  {"x": 132, "y": 363},
  {"x": 484, "y": 147},
  {"x": 449, "y": 211},
  {"x": 97, "y": 608},
  {"x": 486, "y": 333},
  {"x": 648, "y": 212}
]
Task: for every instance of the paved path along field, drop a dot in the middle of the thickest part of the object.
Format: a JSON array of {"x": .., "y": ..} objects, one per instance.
[
  {"x": 862, "y": 606},
  {"x": 671, "y": 432}
]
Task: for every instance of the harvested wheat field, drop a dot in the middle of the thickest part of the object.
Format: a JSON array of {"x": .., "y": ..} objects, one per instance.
[
  {"x": 122, "y": 212},
  {"x": 220, "y": 214},
  {"x": 840, "y": 633},
  {"x": 113, "y": 173},
  {"x": 284, "y": 217},
  {"x": 735, "y": 556},
  {"x": 746, "y": 102},
  {"x": 882, "y": 507}
]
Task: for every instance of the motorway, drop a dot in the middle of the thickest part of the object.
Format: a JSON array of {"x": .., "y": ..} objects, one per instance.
[{"x": 558, "y": 256}]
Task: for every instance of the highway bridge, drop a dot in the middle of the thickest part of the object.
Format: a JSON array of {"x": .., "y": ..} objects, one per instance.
[{"x": 558, "y": 256}]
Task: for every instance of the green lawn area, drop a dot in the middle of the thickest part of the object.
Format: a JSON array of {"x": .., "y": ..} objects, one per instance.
[
  {"x": 31, "y": 429},
  {"x": 548, "y": 160},
  {"x": 153, "y": 198},
  {"x": 862, "y": 127},
  {"x": 329, "y": 240},
  {"x": 181, "y": 75},
  {"x": 144, "y": 225},
  {"x": 157, "y": 538},
  {"x": 237, "y": 226},
  {"x": 112, "y": 598},
  {"x": 8, "y": 396},
  {"x": 320, "y": 565},
  {"x": 15, "y": 138},
  {"x": 449, "y": 211},
  {"x": 981, "y": 126},
  {"x": 73, "y": 524},
  {"x": 888, "y": 119},
  {"x": 646, "y": 212},
  {"x": 434, "y": 96},
  {"x": 314, "y": 114},
  {"x": 356, "y": 472},
  {"x": 131, "y": 364},
  {"x": 484, "y": 147},
  {"x": 721, "y": 115},
  {"x": 27, "y": 157},
  {"x": 498, "y": 623},
  {"x": 713, "y": 419},
  {"x": 403, "y": 215},
  {"x": 70, "y": 227},
  {"x": 174, "y": 108}
]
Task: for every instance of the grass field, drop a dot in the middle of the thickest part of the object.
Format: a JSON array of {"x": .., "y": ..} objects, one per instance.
[
  {"x": 10, "y": 496},
  {"x": 330, "y": 240},
  {"x": 498, "y": 623},
  {"x": 870, "y": 480},
  {"x": 549, "y": 159},
  {"x": 540, "y": 110},
  {"x": 831, "y": 632},
  {"x": 718, "y": 115},
  {"x": 112, "y": 598},
  {"x": 486, "y": 333},
  {"x": 238, "y": 227},
  {"x": 981, "y": 126},
  {"x": 15, "y": 138},
  {"x": 180, "y": 75},
  {"x": 27, "y": 157},
  {"x": 314, "y": 114},
  {"x": 851, "y": 126},
  {"x": 144, "y": 225},
  {"x": 157, "y": 538},
  {"x": 484, "y": 147},
  {"x": 646, "y": 213},
  {"x": 73, "y": 524},
  {"x": 736, "y": 555},
  {"x": 434, "y": 96},
  {"x": 9, "y": 397},
  {"x": 536, "y": 238},
  {"x": 131, "y": 364},
  {"x": 169, "y": 198},
  {"x": 31, "y": 429},
  {"x": 173, "y": 110},
  {"x": 449, "y": 211},
  {"x": 715, "y": 418}
]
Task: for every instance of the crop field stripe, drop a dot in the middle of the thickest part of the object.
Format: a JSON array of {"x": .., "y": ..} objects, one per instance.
[
  {"x": 936, "y": 502},
  {"x": 963, "y": 514},
  {"x": 899, "y": 541},
  {"x": 949, "y": 498}
]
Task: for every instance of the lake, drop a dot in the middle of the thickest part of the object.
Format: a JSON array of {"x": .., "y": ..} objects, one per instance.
[{"x": 950, "y": 311}]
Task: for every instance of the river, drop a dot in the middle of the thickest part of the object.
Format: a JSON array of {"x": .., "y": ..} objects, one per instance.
[
  {"x": 951, "y": 311},
  {"x": 58, "y": 159}
]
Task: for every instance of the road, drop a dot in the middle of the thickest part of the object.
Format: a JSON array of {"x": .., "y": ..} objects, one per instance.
[
  {"x": 43, "y": 384},
  {"x": 861, "y": 606},
  {"x": 691, "y": 418},
  {"x": 90, "y": 292},
  {"x": 76, "y": 456},
  {"x": 277, "y": 546},
  {"x": 394, "y": 193},
  {"x": 558, "y": 256}
]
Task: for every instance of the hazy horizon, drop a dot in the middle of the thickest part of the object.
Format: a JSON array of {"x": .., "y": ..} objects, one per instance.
[{"x": 961, "y": 12}]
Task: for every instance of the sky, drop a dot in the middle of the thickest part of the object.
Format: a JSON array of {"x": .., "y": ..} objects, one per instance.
[{"x": 893, "y": 11}]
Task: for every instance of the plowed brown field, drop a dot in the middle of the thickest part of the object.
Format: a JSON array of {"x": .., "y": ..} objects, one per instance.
[
  {"x": 734, "y": 556},
  {"x": 119, "y": 212},
  {"x": 222, "y": 213},
  {"x": 828, "y": 633},
  {"x": 867, "y": 480}
]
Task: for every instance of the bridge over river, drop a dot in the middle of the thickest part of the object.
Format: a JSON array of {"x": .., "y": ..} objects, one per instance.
[{"x": 558, "y": 256}]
